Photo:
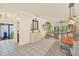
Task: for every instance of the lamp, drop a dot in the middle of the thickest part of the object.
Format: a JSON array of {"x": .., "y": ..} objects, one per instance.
[{"x": 72, "y": 16}]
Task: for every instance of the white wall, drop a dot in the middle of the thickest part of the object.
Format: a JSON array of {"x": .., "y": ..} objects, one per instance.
[
  {"x": 24, "y": 28},
  {"x": 25, "y": 21}
]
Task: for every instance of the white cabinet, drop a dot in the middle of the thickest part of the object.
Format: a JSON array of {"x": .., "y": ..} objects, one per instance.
[
  {"x": 75, "y": 51},
  {"x": 35, "y": 36}
]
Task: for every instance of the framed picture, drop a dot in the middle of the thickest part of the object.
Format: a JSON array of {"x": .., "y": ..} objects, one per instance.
[{"x": 35, "y": 25}]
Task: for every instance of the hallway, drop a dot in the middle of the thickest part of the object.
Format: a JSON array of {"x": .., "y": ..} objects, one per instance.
[{"x": 10, "y": 48}]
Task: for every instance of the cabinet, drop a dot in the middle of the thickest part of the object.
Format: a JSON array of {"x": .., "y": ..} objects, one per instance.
[{"x": 35, "y": 36}]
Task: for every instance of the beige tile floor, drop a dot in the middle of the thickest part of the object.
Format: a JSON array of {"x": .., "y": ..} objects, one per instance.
[
  {"x": 55, "y": 50},
  {"x": 10, "y": 48}
]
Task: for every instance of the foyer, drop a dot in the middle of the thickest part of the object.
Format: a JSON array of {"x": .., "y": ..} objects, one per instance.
[{"x": 45, "y": 29}]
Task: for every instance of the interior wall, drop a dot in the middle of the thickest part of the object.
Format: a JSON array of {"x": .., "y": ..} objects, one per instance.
[
  {"x": 24, "y": 27},
  {"x": 25, "y": 22}
]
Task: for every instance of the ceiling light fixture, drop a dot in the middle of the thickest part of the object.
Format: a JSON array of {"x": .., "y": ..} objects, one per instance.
[
  {"x": 72, "y": 16},
  {"x": 3, "y": 15}
]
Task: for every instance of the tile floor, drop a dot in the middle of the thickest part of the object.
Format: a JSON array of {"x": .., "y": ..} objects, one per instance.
[
  {"x": 10, "y": 48},
  {"x": 55, "y": 50}
]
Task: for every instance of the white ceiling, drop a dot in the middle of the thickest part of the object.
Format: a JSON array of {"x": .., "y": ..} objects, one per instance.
[{"x": 50, "y": 11}]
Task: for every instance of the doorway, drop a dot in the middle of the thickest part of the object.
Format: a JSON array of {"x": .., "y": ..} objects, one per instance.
[{"x": 6, "y": 31}]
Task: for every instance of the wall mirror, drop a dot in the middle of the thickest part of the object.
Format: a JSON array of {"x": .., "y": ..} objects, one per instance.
[{"x": 35, "y": 25}]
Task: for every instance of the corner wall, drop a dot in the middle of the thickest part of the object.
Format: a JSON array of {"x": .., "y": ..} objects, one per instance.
[{"x": 25, "y": 21}]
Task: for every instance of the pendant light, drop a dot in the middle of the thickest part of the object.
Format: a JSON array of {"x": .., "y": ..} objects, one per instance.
[{"x": 72, "y": 16}]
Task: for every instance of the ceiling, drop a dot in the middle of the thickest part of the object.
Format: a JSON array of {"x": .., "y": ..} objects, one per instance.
[{"x": 50, "y": 11}]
